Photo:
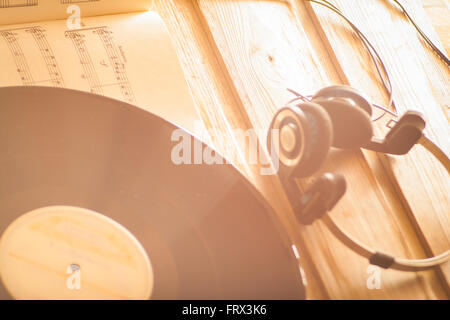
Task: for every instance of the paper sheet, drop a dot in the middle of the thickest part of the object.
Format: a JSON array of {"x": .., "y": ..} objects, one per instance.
[
  {"x": 128, "y": 57},
  {"x": 22, "y": 11}
]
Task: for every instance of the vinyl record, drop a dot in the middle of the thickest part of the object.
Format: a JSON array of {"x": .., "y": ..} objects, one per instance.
[{"x": 88, "y": 186}]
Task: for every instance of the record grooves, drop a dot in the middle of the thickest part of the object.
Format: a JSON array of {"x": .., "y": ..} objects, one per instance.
[{"x": 205, "y": 229}]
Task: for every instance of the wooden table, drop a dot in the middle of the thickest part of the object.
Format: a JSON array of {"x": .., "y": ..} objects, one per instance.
[{"x": 240, "y": 56}]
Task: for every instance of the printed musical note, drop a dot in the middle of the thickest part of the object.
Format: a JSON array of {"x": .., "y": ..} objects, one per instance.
[
  {"x": 113, "y": 71},
  {"x": 101, "y": 57},
  {"x": 13, "y": 40}
]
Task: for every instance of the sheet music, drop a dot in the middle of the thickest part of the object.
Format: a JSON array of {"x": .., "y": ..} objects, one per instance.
[
  {"x": 14, "y": 39},
  {"x": 22, "y": 11},
  {"x": 128, "y": 57},
  {"x": 83, "y": 40}
]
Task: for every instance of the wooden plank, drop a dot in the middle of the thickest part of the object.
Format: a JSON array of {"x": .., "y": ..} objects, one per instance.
[
  {"x": 263, "y": 59},
  {"x": 220, "y": 107},
  {"x": 439, "y": 12},
  {"x": 420, "y": 82},
  {"x": 238, "y": 65}
]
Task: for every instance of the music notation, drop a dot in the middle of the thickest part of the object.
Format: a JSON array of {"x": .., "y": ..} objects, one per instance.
[
  {"x": 17, "y": 3},
  {"x": 32, "y": 74},
  {"x": 106, "y": 72}
]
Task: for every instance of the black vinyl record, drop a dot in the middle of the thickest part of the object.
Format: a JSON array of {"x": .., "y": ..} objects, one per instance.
[{"x": 208, "y": 233}]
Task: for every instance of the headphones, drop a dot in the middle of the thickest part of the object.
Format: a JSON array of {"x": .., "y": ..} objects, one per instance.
[{"x": 340, "y": 117}]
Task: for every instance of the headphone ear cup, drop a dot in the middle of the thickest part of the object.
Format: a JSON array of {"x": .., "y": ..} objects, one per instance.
[
  {"x": 346, "y": 92},
  {"x": 319, "y": 140},
  {"x": 352, "y": 127}
]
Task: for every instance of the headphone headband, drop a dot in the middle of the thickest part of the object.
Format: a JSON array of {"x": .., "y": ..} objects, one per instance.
[{"x": 377, "y": 258}]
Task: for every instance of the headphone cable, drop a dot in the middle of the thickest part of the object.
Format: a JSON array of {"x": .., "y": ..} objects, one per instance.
[
  {"x": 436, "y": 50},
  {"x": 374, "y": 55}
]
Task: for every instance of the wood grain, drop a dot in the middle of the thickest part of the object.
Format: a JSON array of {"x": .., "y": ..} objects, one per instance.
[
  {"x": 439, "y": 12},
  {"x": 219, "y": 105},
  {"x": 420, "y": 181},
  {"x": 240, "y": 56}
]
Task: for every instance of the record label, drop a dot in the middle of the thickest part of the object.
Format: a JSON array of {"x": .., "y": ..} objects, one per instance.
[{"x": 73, "y": 253}]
